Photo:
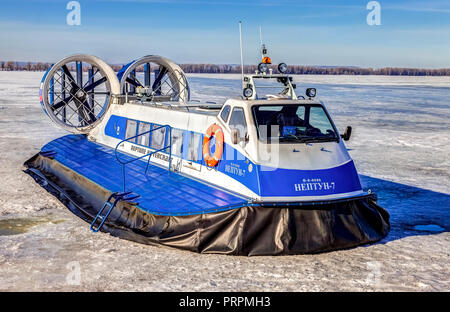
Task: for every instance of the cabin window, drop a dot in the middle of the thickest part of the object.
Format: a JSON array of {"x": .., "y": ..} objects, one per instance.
[
  {"x": 131, "y": 130},
  {"x": 294, "y": 123},
  {"x": 319, "y": 120},
  {"x": 158, "y": 137},
  {"x": 143, "y": 139},
  {"x": 225, "y": 113},
  {"x": 194, "y": 144},
  {"x": 177, "y": 142},
  {"x": 237, "y": 121}
]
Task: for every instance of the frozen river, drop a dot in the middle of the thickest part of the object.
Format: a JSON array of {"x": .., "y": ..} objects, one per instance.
[{"x": 400, "y": 144}]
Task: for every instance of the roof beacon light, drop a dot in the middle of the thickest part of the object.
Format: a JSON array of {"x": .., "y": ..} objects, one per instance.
[
  {"x": 282, "y": 68},
  {"x": 266, "y": 60}
]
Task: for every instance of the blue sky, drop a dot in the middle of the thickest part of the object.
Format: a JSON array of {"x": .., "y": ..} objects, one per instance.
[{"x": 321, "y": 32}]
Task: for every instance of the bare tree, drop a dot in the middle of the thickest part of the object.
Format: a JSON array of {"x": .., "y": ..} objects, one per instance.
[{"x": 10, "y": 65}]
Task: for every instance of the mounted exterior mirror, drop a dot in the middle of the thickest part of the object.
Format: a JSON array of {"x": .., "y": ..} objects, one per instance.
[
  {"x": 347, "y": 134},
  {"x": 235, "y": 136}
]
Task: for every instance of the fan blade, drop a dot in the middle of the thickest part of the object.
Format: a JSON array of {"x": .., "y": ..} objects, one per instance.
[
  {"x": 157, "y": 83},
  {"x": 95, "y": 84},
  {"x": 67, "y": 72},
  {"x": 62, "y": 103},
  {"x": 85, "y": 114},
  {"x": 87, "y": 109},
  {"x": 133, "y": 82}
]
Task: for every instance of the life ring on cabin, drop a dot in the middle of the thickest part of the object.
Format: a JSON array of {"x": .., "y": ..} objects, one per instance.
[{"x": 213, "y": 131}]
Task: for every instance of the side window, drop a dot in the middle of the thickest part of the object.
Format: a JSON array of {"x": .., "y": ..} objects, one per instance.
[
  {"x": 237, "y": 121},
  {"x": 158, "y": 137},
  {"x": 194, "y": 143},
  {"x": 177, "y": 142},
  {"x": 131, "y": 130},
  {"x": 143, "y": 139},
  {"x": 319, "y": 120},
  {"x": 225, "y": 113}
]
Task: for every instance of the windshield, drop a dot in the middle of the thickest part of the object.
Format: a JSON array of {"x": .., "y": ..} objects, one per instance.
[{"x": 294, "y": 123}]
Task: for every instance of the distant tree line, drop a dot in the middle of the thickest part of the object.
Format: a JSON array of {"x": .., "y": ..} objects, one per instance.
[
  {"x": 19, "y": 66},
  {"x": 317, "y": 70},
  {"x": 235, "y": 69}
]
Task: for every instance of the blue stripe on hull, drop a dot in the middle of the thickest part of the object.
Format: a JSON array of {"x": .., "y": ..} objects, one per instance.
[
  {"x": 285, "y": 182},
  {"x": 270, "y": 182},
  {"x": 264, "y": 181}
]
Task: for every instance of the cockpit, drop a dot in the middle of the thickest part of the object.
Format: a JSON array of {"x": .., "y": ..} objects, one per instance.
[{"x": 294, "y": 123}]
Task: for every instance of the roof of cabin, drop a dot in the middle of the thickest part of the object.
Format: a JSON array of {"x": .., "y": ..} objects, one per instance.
[{"x": 212, "y": 108}]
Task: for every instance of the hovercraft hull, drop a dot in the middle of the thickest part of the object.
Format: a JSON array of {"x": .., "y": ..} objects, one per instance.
[{"x": 177, "y": 211}]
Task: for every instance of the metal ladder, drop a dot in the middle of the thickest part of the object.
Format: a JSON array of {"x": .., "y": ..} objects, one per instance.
[{"x": 111, "y": 202}]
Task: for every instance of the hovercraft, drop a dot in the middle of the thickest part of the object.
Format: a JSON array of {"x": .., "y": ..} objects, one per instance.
[{"x": 257, "y": 175}]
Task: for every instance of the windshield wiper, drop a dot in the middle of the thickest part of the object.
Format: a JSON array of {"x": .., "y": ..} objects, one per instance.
[
  {"x": 322, "y": 139},
  {"x": 292, "y": 137},
  {"x": 298, "y": 140},
  {"x": 309, "y": 139}
]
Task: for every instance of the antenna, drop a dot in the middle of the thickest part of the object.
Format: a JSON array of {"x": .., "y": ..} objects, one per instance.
[
  {"x": 264, "y": 57},
  {"x": 242, "y": 57},
  {"x": 260, "y": 41}
]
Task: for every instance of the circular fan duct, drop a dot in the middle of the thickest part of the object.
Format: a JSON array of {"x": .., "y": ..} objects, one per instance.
[
  {"x": 76, "y": 92},
  {"x": 160, "y": 79}
]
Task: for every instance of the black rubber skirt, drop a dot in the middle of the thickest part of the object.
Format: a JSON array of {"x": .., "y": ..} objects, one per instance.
[{"x": 253, "y": 230}]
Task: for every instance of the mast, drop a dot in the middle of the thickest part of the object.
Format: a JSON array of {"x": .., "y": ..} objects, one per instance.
[
  {"x": 242, "y": 57},
  {"x": 261, "y": 42}
]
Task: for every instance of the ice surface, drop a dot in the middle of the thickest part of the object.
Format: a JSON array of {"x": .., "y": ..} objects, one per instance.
[{"x": 400, "y": 145}]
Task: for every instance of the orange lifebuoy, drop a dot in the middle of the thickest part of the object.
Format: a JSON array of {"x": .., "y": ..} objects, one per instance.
[{"x": 213, "y": 131}]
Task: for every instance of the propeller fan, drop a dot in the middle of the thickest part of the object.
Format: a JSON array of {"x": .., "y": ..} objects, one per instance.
[
  {"x": 76, "y": 92},
  {"x": 166, "y": 82}
]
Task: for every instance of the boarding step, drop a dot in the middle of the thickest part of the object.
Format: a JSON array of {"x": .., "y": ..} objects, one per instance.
[{"x": 110, "y": 203}]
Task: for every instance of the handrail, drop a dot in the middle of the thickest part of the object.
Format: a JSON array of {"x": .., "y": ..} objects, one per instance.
[{"x": 124, "y": 163}]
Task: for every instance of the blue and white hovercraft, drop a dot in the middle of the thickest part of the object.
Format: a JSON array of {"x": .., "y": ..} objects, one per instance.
[{"x": 258, "y": 175}]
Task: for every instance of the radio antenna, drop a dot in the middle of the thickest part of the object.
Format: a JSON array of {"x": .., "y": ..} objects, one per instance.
[
  {"x": 260, "y": 41},
  {"x": 242, "y": 57}
]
